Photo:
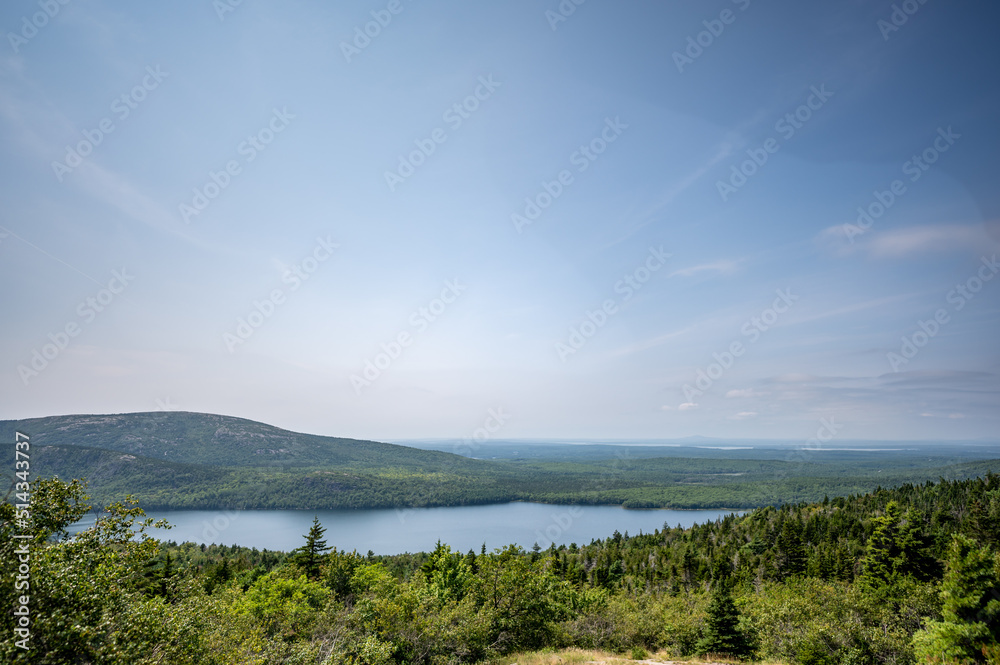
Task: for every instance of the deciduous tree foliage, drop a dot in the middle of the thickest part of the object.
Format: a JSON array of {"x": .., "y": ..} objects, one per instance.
[{"x": 900, "y": 575}]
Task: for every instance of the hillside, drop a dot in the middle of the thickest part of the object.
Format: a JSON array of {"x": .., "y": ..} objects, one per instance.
[
  {"x": 203, "y": 438},
  {"x": 177, "y": 460}
]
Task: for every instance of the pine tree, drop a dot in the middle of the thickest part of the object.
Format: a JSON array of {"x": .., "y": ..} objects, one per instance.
[
  {"x": 897, "y": 548},
  {"x": 220, "y": 574},
  {"x": 844, "y": 564},
  {"x": 792, "y": 552},
  {"x": 983, "y": 526},
  {"x": 689, "y": 566},
  {"x": 165, "y": 574},
  {"x": 722, "y": 634},
  {"x": 882, "y": 550},
  {"x": 971, "y": 612},
  {"x": 311, "y": 555}
]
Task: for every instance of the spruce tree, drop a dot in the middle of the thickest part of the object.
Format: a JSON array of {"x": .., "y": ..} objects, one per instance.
[
  {"x": 165, "y": 574},
  {"x": 792, "y": 552},
  {"x": 722, "y": 634},
  {"x": 896, "y": 549},
  {"x": 882, "y": 550},
  {"x": 971, "y": 608},
  {"x": 311, "y": 555}
]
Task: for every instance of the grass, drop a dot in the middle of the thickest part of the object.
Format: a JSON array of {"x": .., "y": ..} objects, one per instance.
[{"x": 586, "y": 657}]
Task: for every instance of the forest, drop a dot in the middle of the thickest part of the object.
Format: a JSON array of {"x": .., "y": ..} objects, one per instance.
[
  {"x": 179, "y": 460},
  {"x": 902, "y": 575}
]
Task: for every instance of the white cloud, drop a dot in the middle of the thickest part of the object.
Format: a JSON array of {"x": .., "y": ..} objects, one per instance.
[
  {"x": 743, "y": 415},
  {"x": 745, "y": 392},
  {"x": 897, "y": 243},
  {"x": 951, "y": 416},
  {"x": 722, "y": 266},
  {"x": 687, "y": 406}
]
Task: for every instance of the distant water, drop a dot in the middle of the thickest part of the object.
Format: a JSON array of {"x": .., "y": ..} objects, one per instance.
[{"x": 418, "y": 529}]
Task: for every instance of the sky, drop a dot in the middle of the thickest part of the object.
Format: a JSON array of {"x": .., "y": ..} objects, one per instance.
[{"x": 395, "y": 219}]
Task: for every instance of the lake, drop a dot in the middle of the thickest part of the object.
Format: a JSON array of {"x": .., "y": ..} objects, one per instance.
[{"x": 394, "y": 531}]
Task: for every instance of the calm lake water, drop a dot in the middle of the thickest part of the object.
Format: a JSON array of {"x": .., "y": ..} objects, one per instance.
[{"x": 418, "y": 529}]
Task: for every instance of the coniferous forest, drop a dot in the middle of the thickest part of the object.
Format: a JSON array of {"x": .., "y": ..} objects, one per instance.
[{"x": 903, "y": 575}]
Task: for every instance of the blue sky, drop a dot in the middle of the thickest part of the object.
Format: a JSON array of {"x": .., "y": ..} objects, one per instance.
[{"x": 640, "y": 221}]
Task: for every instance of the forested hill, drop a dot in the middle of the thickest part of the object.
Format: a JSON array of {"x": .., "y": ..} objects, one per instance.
[
  {"x": 180, "y": 460},
  {"x": 203, "y": 438},
  {"x": 910, "y": 526}
]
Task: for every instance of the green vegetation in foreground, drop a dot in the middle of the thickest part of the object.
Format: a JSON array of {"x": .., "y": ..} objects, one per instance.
[
  {"x": 180, "y": 460},
  {"x": 901, "y": 576}
]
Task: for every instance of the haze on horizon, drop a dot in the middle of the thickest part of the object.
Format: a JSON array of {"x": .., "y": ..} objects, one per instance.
[{"x": 632, "y": 220}]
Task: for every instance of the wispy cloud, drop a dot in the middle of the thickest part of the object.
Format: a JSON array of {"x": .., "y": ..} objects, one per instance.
[
  {"x": 651, "y": 213},
  {"x": 856, "y": 307},
  {"x": 30, "y": 121},
  {"x": 722, "y": 266},
  {"x": 745, "y": 392},
  {"x": 650, "y": 343},
  {"x": 904, "y": 242},
  {"x": 686, "y": 406},
  {"x": 896, "y": 243}
]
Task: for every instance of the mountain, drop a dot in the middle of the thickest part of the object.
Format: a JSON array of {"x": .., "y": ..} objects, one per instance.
[
  {"x": 181, "y": 460},
  {"x": 203, "y": 438}
]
